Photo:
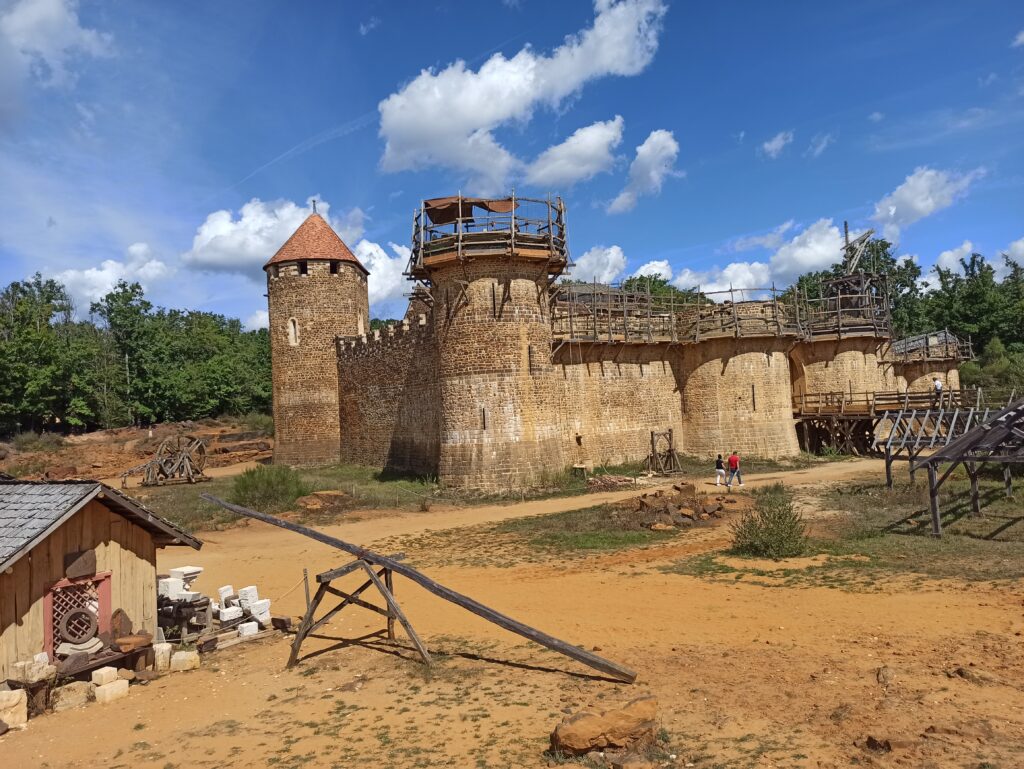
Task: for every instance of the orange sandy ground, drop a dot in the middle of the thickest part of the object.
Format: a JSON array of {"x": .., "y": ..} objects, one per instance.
[{"x": 747, "y": 675}]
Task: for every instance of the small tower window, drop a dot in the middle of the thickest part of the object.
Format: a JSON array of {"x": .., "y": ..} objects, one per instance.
[
  {"x": 293, "y": 332},
  {"x": 303, "y": 268},
  {"x": 334, "y": 268},
  {"x": 277, "y": 271}
]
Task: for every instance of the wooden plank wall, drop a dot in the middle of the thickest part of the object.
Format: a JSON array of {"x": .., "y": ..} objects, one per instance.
[{"x": 125, "y": 550}]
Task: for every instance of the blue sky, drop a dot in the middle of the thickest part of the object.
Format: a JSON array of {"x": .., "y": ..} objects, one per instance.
[{"x": 179, "y": 144}]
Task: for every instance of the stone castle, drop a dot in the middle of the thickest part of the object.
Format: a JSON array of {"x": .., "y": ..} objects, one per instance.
[{"x": 502, "y": 372}]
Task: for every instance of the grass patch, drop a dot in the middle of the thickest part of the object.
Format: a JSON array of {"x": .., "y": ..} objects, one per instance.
[
  {"x": 706, "y": 466},
  {"x": 592, "y": 528},
  {"x": 44, "y": 441},
  {"x": 886, "y": 533},
  {"x": 180, "y": 503},
  {"x": 269, "y": 488}
]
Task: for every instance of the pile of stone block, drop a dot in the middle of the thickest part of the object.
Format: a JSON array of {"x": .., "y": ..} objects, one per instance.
[{"x": 244, "y": 610}]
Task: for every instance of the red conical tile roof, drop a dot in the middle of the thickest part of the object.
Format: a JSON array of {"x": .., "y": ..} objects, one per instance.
[{"x": 314, "y": 239}]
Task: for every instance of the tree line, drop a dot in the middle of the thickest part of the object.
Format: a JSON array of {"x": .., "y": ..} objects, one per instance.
[{"x": 127, "y": 363}]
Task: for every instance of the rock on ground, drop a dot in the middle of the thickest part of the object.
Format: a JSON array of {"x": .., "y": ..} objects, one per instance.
[
  {"x": 632, "y": 724},
  {"x": 14, "y": 708},
  {"x": 72, "y": 695}
]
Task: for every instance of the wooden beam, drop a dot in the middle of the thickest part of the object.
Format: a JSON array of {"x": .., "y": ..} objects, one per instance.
[
  {"x": 348, "y": 568},
  {"x": 569, "y": 650},
  {"x": 396, "y": 610}
]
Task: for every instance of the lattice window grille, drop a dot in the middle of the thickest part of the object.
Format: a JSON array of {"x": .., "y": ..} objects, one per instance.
[{"x": 80, "y": 595}]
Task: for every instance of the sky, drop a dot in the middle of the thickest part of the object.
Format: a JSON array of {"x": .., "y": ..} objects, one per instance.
[{"x": 716, "y": 144}]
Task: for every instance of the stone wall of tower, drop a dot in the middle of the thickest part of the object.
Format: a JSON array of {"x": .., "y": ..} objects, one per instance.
[
  {"x": 919, "y": 376},
  {"x": 736, "y": 395},
  {"x": 499, "y": 426},
  {"x": 389, "y": 402},
  {"x": 306, "y": 313},
  {"x": 613, "y": 396},
  {"x": 850, "y": 365}
]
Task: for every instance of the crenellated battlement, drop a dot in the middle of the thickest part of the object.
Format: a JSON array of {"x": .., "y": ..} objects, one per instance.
[{"x": 381, "y": 341}]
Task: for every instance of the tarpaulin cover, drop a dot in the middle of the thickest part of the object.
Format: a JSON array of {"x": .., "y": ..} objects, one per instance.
[{"x": 447, "y": 210}]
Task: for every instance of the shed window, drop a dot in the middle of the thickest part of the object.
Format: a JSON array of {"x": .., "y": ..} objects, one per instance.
[
  {"x": 303, "y": 268},
  {"x": 293, "y": 332}
]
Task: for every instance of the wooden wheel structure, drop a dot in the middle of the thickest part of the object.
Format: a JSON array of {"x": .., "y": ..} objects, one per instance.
[{"x": 179, "y": 459}]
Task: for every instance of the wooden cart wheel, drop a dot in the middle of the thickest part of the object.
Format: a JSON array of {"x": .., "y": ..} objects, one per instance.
[{"x": 77, "y": 626}]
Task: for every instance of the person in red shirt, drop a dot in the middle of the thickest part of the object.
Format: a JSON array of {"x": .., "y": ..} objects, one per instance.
[{"x": 734, "y": 470}]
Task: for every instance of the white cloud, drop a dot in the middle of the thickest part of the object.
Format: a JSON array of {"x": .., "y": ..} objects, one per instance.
[
  {"x": 446, "y": 118},
  {"x": 93, "y": 283},
  {"x": 244, "y": 244},
  {"x": 259, "y": 319},
  {"x": 921, "y": 194},
  {"x": 876, "y": 117},
  {"x": 815, "y": 248},
  {"x": 46, "y": 35},
  {"x": 386, "y": 282},
  {"x": 950, "y": 260},
  {"x": 659, "y": 268},
  {"x": 583, "y": 155},
  {"x": 368, "y": 26},
  {"x": 987, "y": 80},
  {"x": 771, "y": 239},
  {"x": 1019, "y": 40},
  {"x": 655, "y": 160},
  {"x": 601, "y": 263},
  {"x": 1016, "y": 251},
  {"x": 819, "y": 144},
  {"x": 774, "y": 146}
]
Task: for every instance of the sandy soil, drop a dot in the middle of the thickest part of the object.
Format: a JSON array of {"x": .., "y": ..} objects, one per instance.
[{"x": 747, "y": 675}]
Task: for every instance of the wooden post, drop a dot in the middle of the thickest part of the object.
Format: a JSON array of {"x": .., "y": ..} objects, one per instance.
[
  {"x": 888, "y": 466},
  {"x": 393, "y": 608},
  {"x": 972, "y": 473},
  {"x": 389, "y": 583},
  {"x": 933, "y": 499},
  {"x": 307, "y": 623},
  {"x": 305, "y": 581},
  {"x": 1008, "y": 480}
]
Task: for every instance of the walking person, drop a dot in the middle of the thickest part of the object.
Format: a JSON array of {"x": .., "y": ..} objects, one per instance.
[
  {"x": 734, "y": 470},
  {"x": 937, "y": 390},
  {"x": 719, "y": 470}
]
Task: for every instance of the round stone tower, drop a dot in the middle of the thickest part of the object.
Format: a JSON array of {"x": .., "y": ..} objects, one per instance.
[
  {"x": 316, "y": 291},
  {"x": 736, "y": 381},
  {"x": 488, "y": 264}
]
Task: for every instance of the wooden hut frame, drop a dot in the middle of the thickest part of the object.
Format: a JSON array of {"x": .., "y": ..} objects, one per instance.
[{"x": 998, "y": 441}]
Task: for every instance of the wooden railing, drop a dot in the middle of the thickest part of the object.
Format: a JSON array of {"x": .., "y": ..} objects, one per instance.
[{"x": 841, "y": 403}]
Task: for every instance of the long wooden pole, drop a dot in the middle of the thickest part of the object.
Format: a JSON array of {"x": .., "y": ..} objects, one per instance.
[{"x": 499, "y": 619}]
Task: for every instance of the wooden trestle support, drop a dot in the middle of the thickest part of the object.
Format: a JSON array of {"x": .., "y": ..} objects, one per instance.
[{"x": 379, "y": 570}]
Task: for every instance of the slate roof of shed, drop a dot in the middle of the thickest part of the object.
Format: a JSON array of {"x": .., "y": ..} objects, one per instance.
[
  {"x": 30, "y": 511},
  {"x": 315, "y": 239}
]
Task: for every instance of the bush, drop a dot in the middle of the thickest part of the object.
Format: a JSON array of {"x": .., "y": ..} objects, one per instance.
[
  {"x": 269, "y": 488},
  {"x": 773, "y": 530},
  {"x": 37, "y": 441},
  {"x": 259, "y": 423}
]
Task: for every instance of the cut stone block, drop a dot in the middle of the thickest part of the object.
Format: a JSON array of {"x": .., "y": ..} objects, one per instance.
[
  {"x": 101, "y": 676},
  {"x": 170, "y": 587},
  {"x": 263, "y": 619},
  {"x": 115, "y": 690},
  {"x": 72, "y": 695},
  {"x": 181, "y": 661},
  {"x": 224, "y": 592},
  {"x": 186, "y": 573},
  {"x": 188, "y": 595},
  {"x": 230, "y": 613},
  {"x": 14, "y": 708},
  {"x": 262, "y": 606},
  {"x": 248, "y": 628},
  {"x": 247, "y": 596},
  {"x": 32, "y": 672},
  {"x": 162, "y": 653},
  {"x": 42, "y": 657},
  {"x": 126, "y": 674}
]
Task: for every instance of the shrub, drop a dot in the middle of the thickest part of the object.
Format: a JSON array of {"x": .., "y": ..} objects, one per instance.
[
  {"x": 269, "y": 488},
  {"x": 773, "y": 530},
  {"x": 259, "y": 423},
  {"x": 37, "y": 441}
]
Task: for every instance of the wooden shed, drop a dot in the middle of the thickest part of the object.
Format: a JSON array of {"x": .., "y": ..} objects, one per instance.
[{"x": 74, "y": 545}]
